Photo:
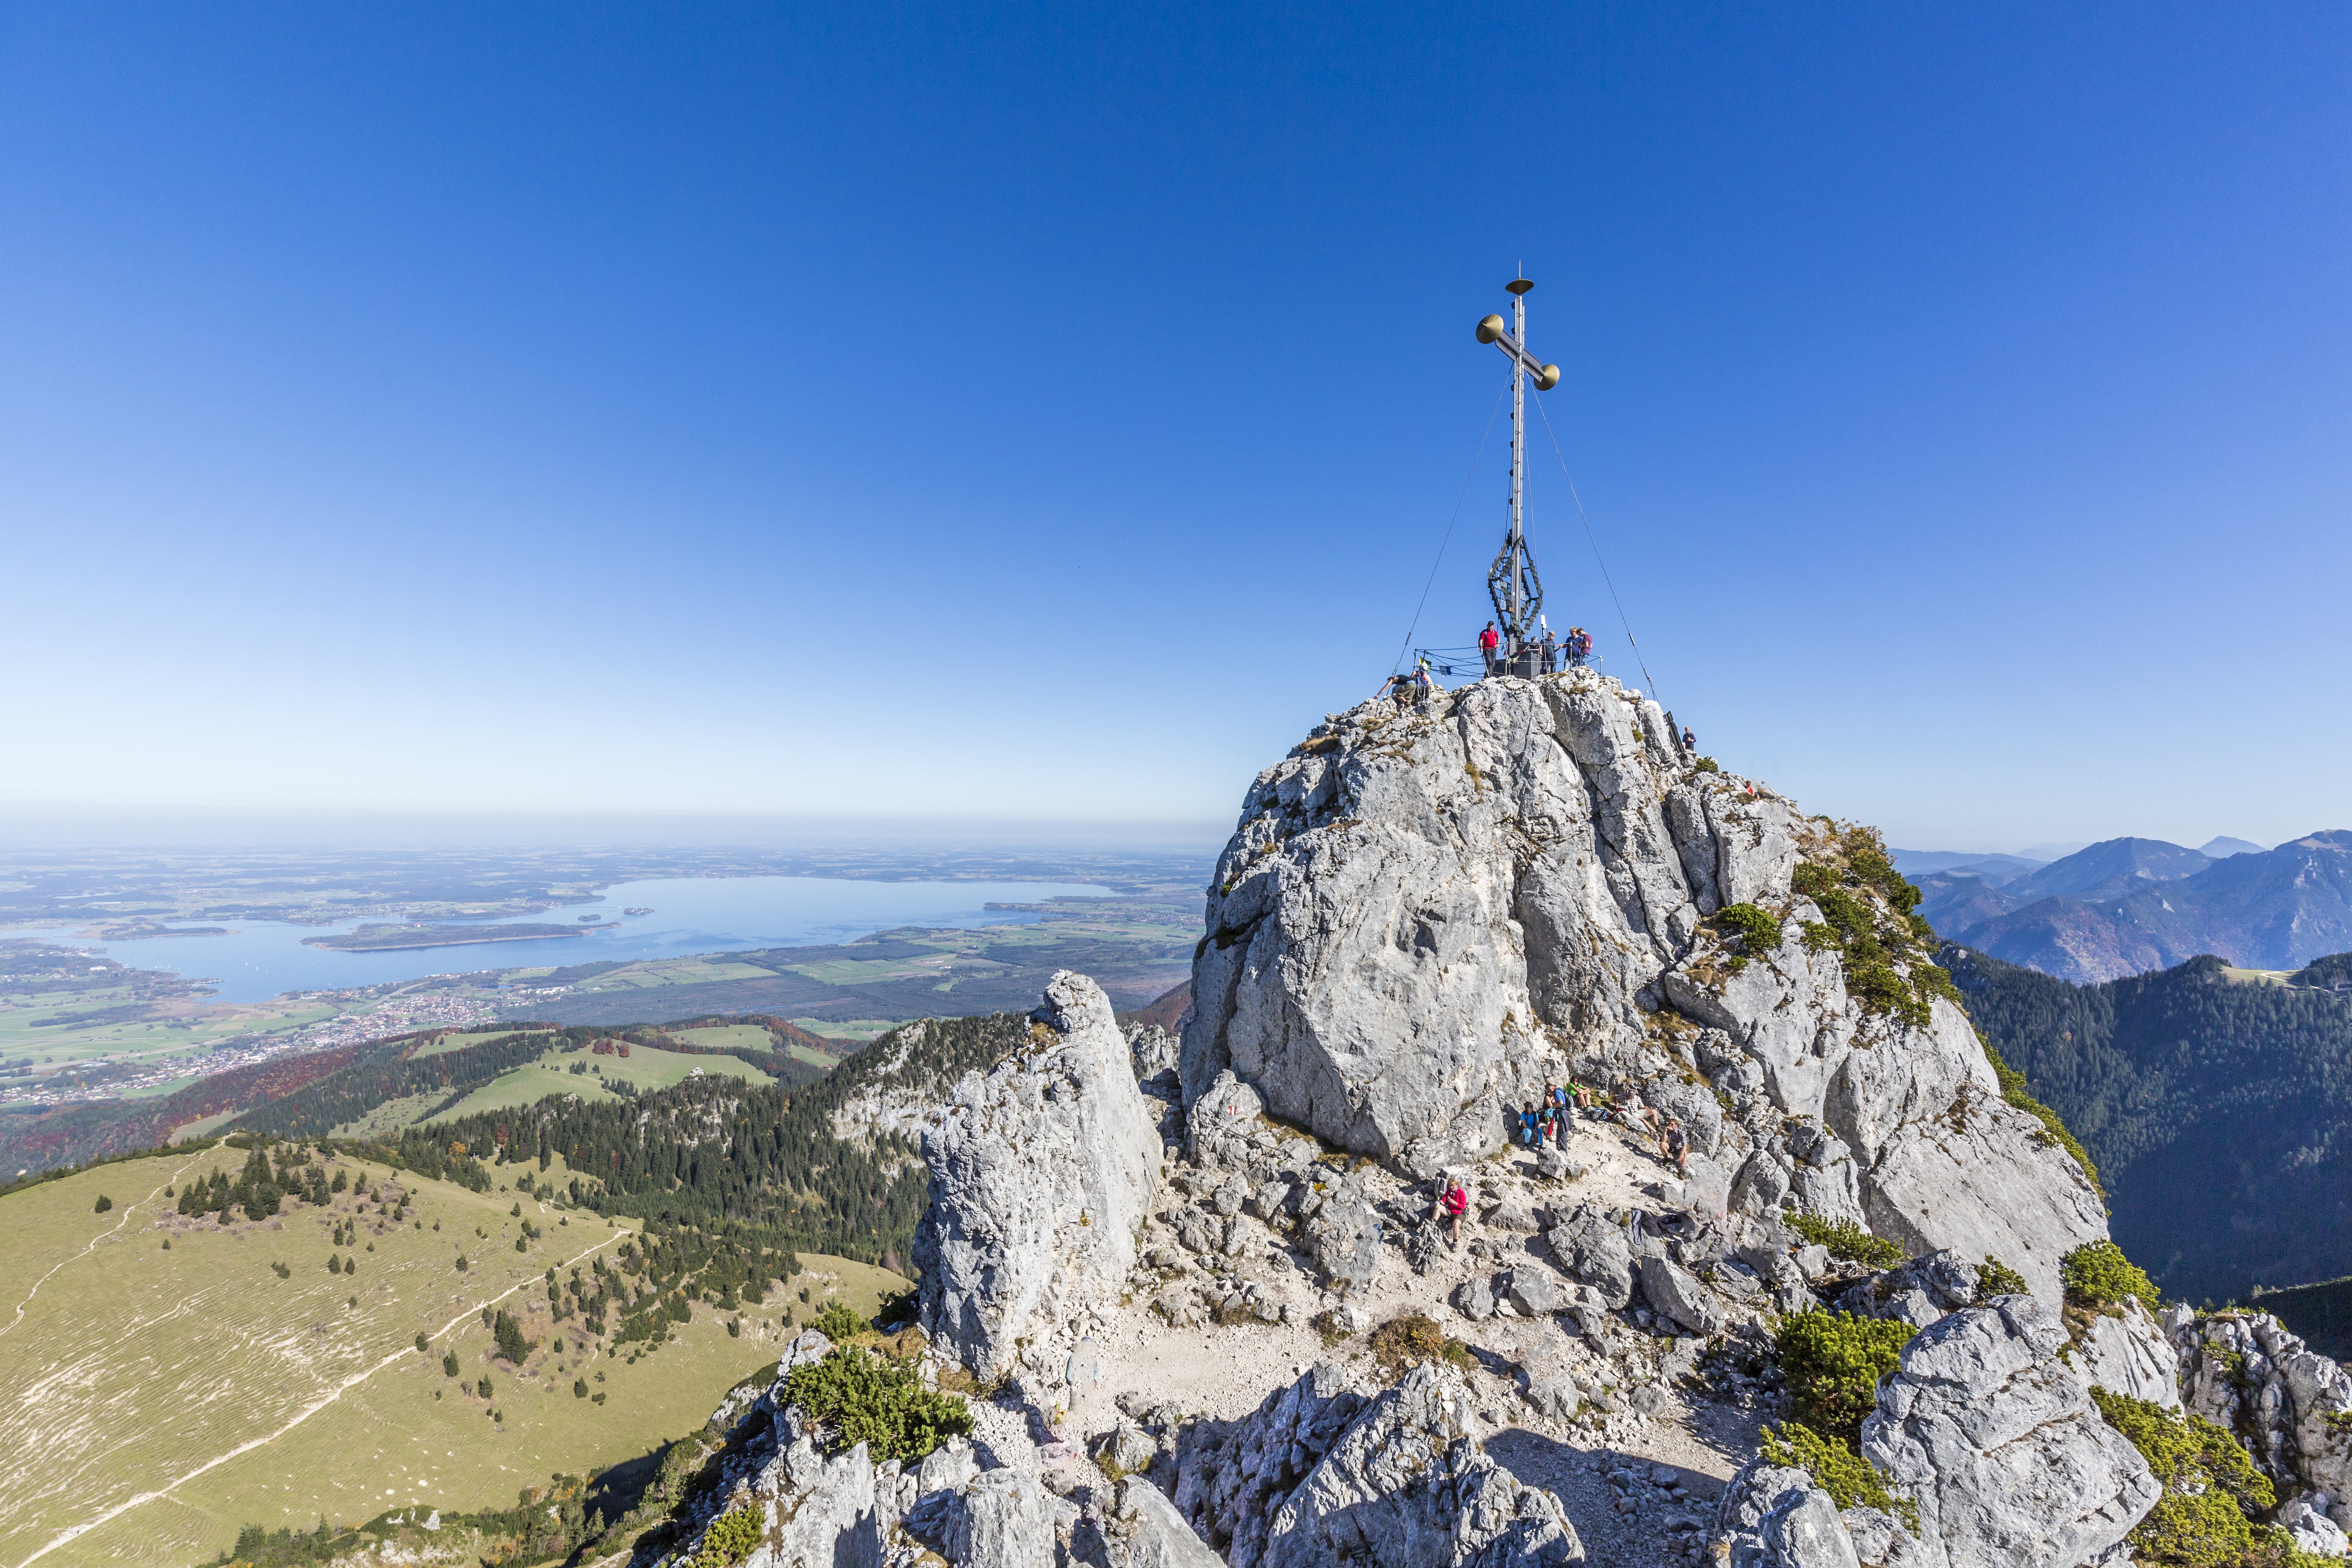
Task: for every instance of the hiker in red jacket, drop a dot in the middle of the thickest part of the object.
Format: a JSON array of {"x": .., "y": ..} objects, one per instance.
[
  {"x": 1453, "y": 1204},
  {"x": 1488, "y": 641}
]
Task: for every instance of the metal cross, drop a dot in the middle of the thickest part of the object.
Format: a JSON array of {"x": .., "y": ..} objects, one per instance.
[{"x": 1511, "y": 583}]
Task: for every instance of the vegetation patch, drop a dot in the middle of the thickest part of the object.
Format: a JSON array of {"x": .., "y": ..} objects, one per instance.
[
  {"x": 1757, "y": 932},
  {"x": 732, "y": 1537},
  {"x": 1995, "y": 1277},
  {"x": 1832, "y": 1363},
  {"x": 1847, "y": 1240},
  {"x": 2212, "y": 1492},
  {"x": 864, "y": 1399},
  {"x": 2097, "y": 1274},
  {"x": 1406, "y": 1341},
  {"x": 1851, "y": 1480},
  {"x": 1868, "y": 920}
]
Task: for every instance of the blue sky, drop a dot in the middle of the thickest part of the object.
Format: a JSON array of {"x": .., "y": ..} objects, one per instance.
[{"x": 1048, "y": 414}]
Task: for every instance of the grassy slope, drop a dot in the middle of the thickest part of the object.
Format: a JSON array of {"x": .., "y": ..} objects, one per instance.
[
  {"x": 127, "y": 1367},
  {"x": 643, "y": 1066}
]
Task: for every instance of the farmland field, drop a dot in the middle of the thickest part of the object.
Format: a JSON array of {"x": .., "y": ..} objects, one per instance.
[
  {"x": 157, "y": 1400},
  {"x": 644, "y": 1067}
]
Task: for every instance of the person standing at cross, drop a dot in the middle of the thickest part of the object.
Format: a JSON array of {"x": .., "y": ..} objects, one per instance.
[{"x": 1488, "y": 641}]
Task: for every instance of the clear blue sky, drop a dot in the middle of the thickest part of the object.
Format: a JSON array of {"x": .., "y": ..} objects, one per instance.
[{"x": 1051, "y": 412}]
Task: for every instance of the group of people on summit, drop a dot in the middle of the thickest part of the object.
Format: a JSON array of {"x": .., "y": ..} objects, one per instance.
[{"x": 1553, "y": 653}]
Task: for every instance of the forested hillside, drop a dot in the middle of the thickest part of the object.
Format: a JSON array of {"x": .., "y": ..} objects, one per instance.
[
  {"x": 718, "y": 1155},
  {"x": 2220, "y": 1111}
]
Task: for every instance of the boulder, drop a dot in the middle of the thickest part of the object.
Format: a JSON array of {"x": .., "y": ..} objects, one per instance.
[
  {"x": 1343, "y": 1236},
  {"x": 2127, "y": 1353},
  {"x": 820, "y": 1508},
  {"x": 1230, "y": 1476},
  {"x": 1534, "y": 1291},
  {"x": 1146, "y": 1531},
  {"x": 1406, "y": 1485},
  {"x": 1040, "y": 1175},
  {"x": 1596, "y": 1253},
  {"x": 2244, "y": 1371},
  {"x": 1995, "y": 1437},
  {"x": 1676, "y": 1292},
  {"x": 1005, "y": 1521},
  {"x": 1474, "y": 1299},
  {"x": 1777, "y": 1517}
]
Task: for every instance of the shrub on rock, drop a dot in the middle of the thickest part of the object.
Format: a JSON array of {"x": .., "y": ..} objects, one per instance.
[
  {"x": 1847, "y": 1240},
  {"x": 867, "y": 1400},
  {"x": 1845, "y": 1475},
  {"x": 1831, "y": 1364},
  {"x": 2099, "y": 1275}
]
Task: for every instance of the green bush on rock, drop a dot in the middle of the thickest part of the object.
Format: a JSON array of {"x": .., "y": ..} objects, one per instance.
[
  {"x": 1995, "y": 1277},
  {"x": 2097, "y": 1274},
  {"x": 1758, "y": 931},
  {"x": 1851, "y": 1480},
  {"x": 732, "y": 1537},
  {"x": 2212, "y": 1492},
  {"x": 1831, "y": 1364},
  {"x": 867, "y": 1400},
  {"x": 838, "y": 1322},
  {"x": 1847, "y": 1240}
]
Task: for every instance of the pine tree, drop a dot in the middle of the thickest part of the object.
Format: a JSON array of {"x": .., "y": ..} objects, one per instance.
[
  {"x": 423, "y": 1344},
  {"x": 104, "y": 1203},
  {"x": 334, "y": 1263}
]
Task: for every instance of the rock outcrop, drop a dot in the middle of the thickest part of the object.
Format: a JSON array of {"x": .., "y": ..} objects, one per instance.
[
  {"x": 1427, "y": 912},
  {"x": 1320, "y": 1473},
  {"x": 2245, "y": 1371},
  {"x": 1991, "y": 1435},
  {"x": 1041, "y": 1175}
]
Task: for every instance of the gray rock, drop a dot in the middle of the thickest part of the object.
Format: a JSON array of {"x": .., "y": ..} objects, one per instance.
[
  {"x": 1005, "y": 1523},
  {"x": 1777, "y": 1517},
  {"x": 1678, "y": 1293},
  {"x": 1344, "y": 1238},
  {"x": 1474, "y": 1299},
  {"x": 1148, "y": 1532},
  {"x": 1595, "y": 1253},
  {"x": 1232, "y": 1475},
  {"x": 1269, "y": 1201},
  {"x": 2306, "y": 1519},
  {"x": 1125, "y": 1448},
  {"x": 1420, "y": 916},
  {"x": 1041, "y": 1173},
  {"x": 1152, "y": 1051},
  {"x": 1997, "y": 1440},
  {"x": 1555, "y": 1166},
  {"x": 947, "y": 1468},
  {"x": 820, "y": 1509},
  {"x": 2128, "y": 1355},
  {"x": 2246, "y": 1372},
  {"x": 1406, "y": 1484},
  {"x": 1534, "y": 1291},
  {"x": 1228, "y": 1199}
]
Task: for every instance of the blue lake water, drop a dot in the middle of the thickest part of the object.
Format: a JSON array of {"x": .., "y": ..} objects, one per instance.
[{"x": 259, "y": 958}]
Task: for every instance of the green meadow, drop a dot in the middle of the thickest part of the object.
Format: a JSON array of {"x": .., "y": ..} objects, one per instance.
[{"x": 157, "y": 1399}]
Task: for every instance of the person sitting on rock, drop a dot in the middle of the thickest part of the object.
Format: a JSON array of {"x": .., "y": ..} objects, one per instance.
[
  {"x": 1676, "y": 1143},
  {"x": 1528, "y": 1128},
  {"x": 1452, "y": 1202}
]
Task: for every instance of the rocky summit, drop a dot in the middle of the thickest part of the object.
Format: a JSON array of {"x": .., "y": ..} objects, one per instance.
[
  {"x": 1428, "y": 913},
  {"x": 1204, "y": 1303}
]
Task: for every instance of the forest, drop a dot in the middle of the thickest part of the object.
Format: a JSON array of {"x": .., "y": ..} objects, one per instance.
[{"x": 2218, "y": 1109}]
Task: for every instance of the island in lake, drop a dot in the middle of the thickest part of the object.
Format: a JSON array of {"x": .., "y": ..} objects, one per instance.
[
  {"x": 385, "y": 938},
  {"x": 636, "y": 911}
]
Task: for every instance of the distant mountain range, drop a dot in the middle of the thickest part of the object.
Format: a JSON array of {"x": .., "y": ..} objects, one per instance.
[{"x": 2130, "y": 905}]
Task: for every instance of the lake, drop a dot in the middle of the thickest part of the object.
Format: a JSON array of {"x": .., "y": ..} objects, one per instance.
[{"x": 259, "y": 958}]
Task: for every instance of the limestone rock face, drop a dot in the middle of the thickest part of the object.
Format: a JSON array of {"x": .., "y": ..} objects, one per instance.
[
  {"x": 1148, "y": 1532},
  {"x": 1998, "y": 1440},
  {"x": 2247, "y": 1373},
  {"x": 1425, "y": 914},
  {"x": 2128, "y": 1355},
  {"x": 1005, "y": 1523},
  {"x": 820, "y": 1510},
  {"x": 1040, "y": 1175},
  {"x": 1320, "y": 1474},
  {"x": 1992, "y": 1436}
]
